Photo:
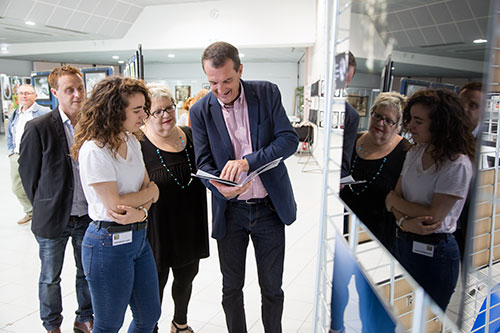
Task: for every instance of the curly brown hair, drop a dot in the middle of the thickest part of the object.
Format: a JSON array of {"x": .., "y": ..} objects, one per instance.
[
  {"x": 102, "y": 115},
  {"x": 451, "y": 128}
]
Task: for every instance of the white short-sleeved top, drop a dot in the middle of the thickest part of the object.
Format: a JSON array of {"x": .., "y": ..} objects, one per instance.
[
  {"x": 453, "y": 178},
  {"x": 98, "y": 165}
]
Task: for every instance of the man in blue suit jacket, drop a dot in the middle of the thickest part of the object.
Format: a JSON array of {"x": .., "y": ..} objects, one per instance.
[{"x": 238, "y": 127}]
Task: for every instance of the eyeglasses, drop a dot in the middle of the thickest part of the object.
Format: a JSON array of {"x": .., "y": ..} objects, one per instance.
[
  {"x": 387, "y": 121},
  {"x": 159, "y": 113},
  {"x": 25, "y": 93}
]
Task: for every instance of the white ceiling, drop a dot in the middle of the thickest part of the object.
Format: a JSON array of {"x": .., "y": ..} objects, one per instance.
[{"x": 435, "y": 27}]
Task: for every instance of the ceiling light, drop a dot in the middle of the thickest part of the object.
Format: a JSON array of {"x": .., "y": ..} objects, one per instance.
[
  {"x": 121, "y": 61},
  {"x": 4, "y": 49},
  {"x": 29, "y": 23},
  {"x": 479, "y": 41},
  {"x": 242, "y": 55},
  {"x": 115, "y": 57},
  {"x": 171, "y": 55}
]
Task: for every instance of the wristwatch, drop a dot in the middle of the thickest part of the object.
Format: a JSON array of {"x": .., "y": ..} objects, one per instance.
[{"x": 400, "y": 222}]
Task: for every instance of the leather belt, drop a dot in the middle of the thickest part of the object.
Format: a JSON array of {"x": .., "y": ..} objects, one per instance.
[
  {"x": 427, "y": 239},
  {"x": 253, "y": 201},
  {"x": 114, "y": 227}
]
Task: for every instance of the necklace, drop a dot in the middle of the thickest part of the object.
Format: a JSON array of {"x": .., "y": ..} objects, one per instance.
[
  {"x": 371, "y": 180},
  {"x": 170, "y": 171},
  {"x": 362, "y": 149}
]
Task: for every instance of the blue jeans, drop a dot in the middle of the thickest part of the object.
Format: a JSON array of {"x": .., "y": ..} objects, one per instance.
[
  {"x": 118, "y": 276},
  {"x": 438, "y": 275},
  {"x": 262, "y": 224},
  {"x": 51, "y": 252}
]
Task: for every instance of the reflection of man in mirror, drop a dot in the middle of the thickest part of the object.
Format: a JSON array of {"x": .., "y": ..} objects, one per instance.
[
  {"x": 351, "y": 122},
  {"x": 470, "y": 96},
  {"x": 27, "y": 110}
]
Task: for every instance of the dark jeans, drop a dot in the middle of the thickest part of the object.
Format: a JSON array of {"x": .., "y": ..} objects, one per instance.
[
  {"x": 181, "y": 288},
  {"x": 262, "y": 224},
  {"x": 51, "y": 252},
  {"x": 438, "y": 275},
  {"x": 118, "y": 276}
]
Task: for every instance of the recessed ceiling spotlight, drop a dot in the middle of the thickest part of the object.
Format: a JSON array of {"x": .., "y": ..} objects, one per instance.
[
  {"x": 171, "y": 55},
  {"x": 480, "y": 41},
  {"x": 29, "y": 23},
  {"x": 4, "y": 48},
  {"x": 115, "y": 57},
  {"x": 121, "y": 61},
  {"x": 242, "y": 55}
]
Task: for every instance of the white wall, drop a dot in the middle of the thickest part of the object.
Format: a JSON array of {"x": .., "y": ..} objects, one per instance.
[
  {"x": 16, "y": 67},
  {"x": 282, "y": 74}
]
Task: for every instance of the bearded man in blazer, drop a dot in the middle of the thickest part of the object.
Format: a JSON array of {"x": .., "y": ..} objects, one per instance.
[
  {"x": 238, "y": 127},
  {"x": 51, "y": 180}
]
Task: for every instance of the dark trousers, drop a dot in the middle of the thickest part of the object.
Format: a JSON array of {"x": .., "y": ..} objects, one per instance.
[
  {"x": 182, "y": 287},
  {"x": 438, "y": 274},
  {"x": 260, "y": 223}
]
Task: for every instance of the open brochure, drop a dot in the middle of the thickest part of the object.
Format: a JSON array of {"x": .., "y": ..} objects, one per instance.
[
  {"x": 205, "y": 175},
  {"x": 348, "y": 180}
]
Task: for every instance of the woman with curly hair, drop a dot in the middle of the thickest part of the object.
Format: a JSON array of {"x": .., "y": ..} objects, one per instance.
[
  {"x": 117, "y": 258},
  {"x": 432, "y": 189}
]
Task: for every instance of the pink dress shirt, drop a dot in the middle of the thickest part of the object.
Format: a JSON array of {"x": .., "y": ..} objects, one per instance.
[{"x": 238, "y": 126}]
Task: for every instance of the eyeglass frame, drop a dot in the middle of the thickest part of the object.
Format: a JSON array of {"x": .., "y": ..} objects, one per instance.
[
  {"x": 375, "y": 116},
  {"x": 160, "y": 113},
  {"x": 25, "y": 93}
]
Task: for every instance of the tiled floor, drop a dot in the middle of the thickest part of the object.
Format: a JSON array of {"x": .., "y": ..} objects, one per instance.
[{"x": 19, "y": 269}]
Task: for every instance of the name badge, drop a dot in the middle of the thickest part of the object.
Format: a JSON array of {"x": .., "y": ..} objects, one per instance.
[
  {"x": 122, "y": 238},
  {"x": 423, "y": 249}
]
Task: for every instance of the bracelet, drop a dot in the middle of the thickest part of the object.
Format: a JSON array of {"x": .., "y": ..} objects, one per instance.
[
  {"x": 145, "y": 213},
  {"x": 400, "y": 222}
]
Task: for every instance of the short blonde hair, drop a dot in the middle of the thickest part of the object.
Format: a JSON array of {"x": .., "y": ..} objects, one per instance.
[
  {"x": 159, "y": 90},
  {"x": 391, "y": 100}
]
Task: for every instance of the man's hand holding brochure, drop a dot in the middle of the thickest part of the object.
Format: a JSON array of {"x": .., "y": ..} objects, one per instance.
[{"x": 205, "y": 175}]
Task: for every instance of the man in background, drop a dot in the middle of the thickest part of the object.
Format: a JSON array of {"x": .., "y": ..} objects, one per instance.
[
  {"x": 237, "y": 128},
  {"x": 28, "y": 109},
  {"x": 470, "y": 95},
  {"x": 52, "y": 182},
  {"x": 351, "y": 123}
]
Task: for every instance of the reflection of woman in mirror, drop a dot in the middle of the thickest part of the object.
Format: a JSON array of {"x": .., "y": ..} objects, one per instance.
[
  {"x": 378, "y": 159},
  {"x": 431, "y": 191}
]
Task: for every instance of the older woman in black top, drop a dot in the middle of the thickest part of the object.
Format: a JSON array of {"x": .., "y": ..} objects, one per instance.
[
  {"x": 378, "y": 158},
  {"x": 178, "y": 230}
]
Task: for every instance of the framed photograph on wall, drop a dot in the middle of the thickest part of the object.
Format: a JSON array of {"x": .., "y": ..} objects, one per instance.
[
  {"x": 91, "y": 79},
  {"x": 6, "y": 87},
  {"x": 182, "y": 93},
  {"x": 92, "y": 76},
  {"x": 321, "y": 119},
  {"x": 41, "y": 84},
  {"x": 15, "y": 82},
  {"x": 360, "y": 103}
]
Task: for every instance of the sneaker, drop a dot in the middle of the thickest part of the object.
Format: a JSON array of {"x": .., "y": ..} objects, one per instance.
[{"x": 24, "y": 220}]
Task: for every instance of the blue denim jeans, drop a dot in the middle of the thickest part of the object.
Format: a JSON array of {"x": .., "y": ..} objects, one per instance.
[
  {"x": 51, "y": 252},
  {"x": 119, "y": 276},
  {"x": 262, "y": 224},
  {"x": 438, "y": 275}
]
